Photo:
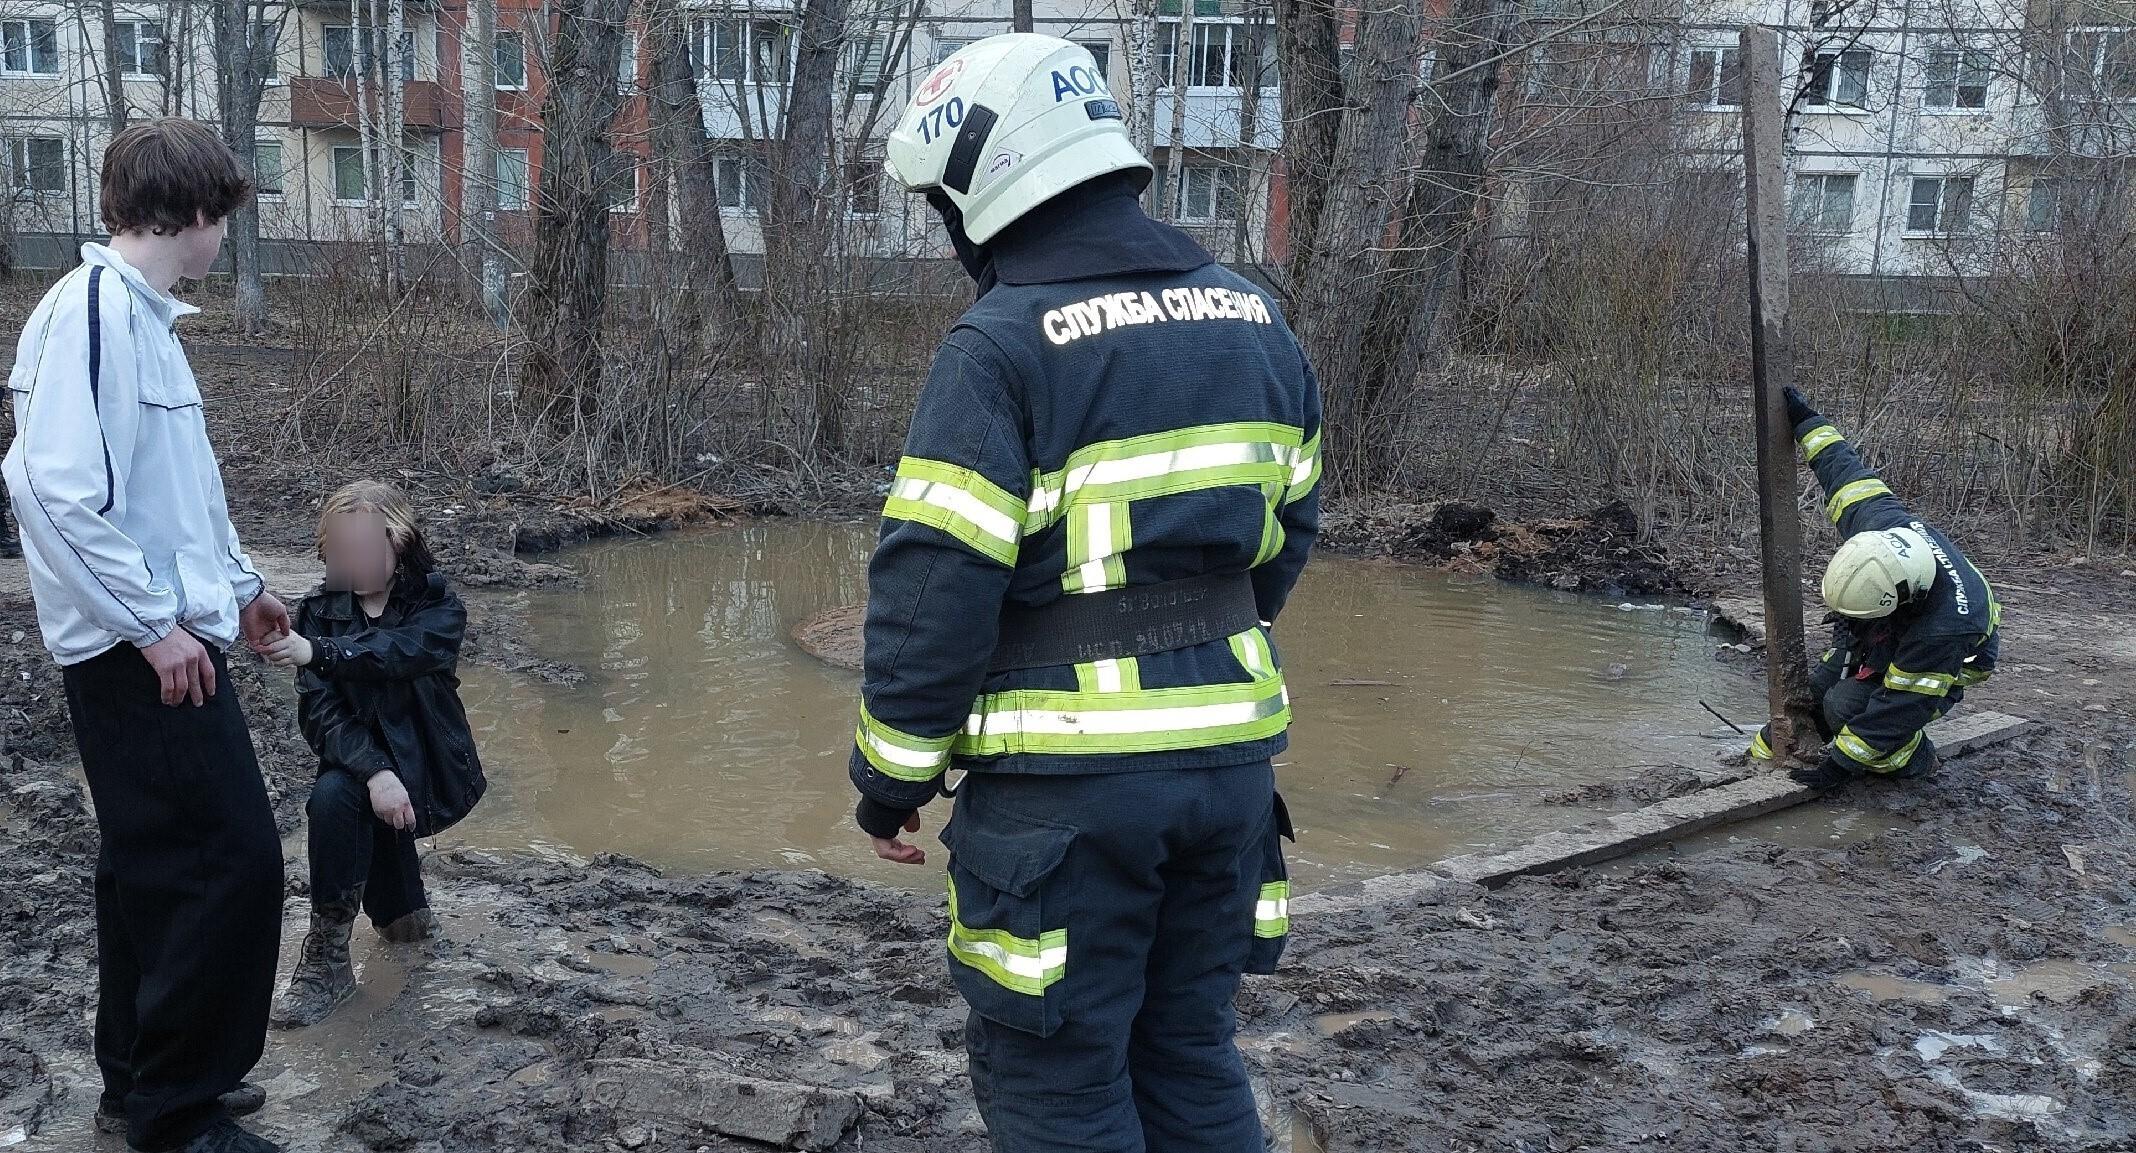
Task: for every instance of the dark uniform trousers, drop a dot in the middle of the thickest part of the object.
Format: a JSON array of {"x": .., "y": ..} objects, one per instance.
[
  {"x": 188, "y": 894},
  {"x": 1100, "y": 924}
]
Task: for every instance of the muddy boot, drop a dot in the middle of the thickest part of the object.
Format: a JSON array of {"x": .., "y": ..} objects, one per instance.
[
  {"x": 227, "y": 1136},
  {"x": 409, "y": 928},
  {"x": 323, "y": 978},
  {"x": 242, "y": 1101}
]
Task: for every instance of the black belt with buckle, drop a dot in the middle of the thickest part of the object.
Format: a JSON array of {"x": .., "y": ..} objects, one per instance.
[{"x": 1131, "y": 622}]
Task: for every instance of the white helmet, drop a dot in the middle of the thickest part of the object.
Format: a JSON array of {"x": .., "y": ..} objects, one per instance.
[
  {"x": 1006, "y": 125},
  {"x": 1873, "y": 572}
]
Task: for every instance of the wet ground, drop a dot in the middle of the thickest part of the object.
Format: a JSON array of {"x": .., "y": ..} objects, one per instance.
[
  {"x": 1951, "y": 974},
  {"x": 1434, "y": 711}
]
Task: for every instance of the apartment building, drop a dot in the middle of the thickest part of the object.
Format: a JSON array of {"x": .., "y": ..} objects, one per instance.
[{"x": 54, "y": 113}]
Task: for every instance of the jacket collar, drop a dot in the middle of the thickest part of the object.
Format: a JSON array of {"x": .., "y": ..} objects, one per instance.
[
  {"x": 167, "y": 308},
  {"x": 1096, "y": 229},
  {"x": 328, "y": 604}
]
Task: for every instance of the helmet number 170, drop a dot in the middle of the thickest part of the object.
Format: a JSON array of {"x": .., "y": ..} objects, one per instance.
[{"x": 948, "y": 116}]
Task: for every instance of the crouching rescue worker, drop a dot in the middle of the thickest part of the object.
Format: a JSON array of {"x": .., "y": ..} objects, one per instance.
[
  {"x": 1108, "y": 492},
  {"x": 1916, "y": 623}
]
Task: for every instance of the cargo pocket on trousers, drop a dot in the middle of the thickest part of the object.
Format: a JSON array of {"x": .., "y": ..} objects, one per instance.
[
  {"x": 1271, "y": 908},
  {"x": 1004, "y": 953}
]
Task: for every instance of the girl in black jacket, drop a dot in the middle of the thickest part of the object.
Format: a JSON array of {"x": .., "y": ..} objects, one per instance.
[{"x": 376, "y": 651}]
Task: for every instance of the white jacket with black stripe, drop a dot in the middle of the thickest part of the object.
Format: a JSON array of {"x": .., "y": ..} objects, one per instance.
[{"x": 113, "y": 482}]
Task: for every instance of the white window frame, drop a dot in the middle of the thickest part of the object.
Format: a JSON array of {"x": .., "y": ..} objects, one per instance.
[
  {"x": 637, "y": 184},
  {"x": 519, "y": 37},
  {"x": 2095, "y": 68},
  {"x": 1826, "y": 98},
  {"x": 1800, "y": 220},
  {"x": 866, "y": 170},
  {"x": 627, "y": 63},
  {"x": 411, "y": 181},
  {"x": 408, "y": 52},
  {"x": 28, "y": 25},
  {"x": 1712, "y": 95},
  {"x": 704, "y": 48},
  {"x": 1167, "y": 46},
  {"x": 1943, "y": 181},
  {"x": 1096, "y": 48},
  {"x": 1969, "y": 68},
  {"x": 2053, "y": 188},
  {"x": 281, "y": 163},
  {"x": 525, "y": 187},
  {"x": 1215, "y": 172},
  {"x": 133, "y": 69},
  {"x": 21, "y": 165},
  {"x": 747, "y": 191}
]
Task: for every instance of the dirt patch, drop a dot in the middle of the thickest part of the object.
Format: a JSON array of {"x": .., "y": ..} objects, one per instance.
[
  {"x": 1601, "y": 552},
  {"x": 835, "y": 636}
]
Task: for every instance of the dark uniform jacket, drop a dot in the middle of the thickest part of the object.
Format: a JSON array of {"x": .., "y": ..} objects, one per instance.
[
  {"x": 1116, "y": 410},
  {"x": 386, "y": 696},
  {"x": 1924, "y": 656}
]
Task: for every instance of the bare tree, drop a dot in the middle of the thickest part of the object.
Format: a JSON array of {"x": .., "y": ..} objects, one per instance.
[
  {"x": 480, "y": 254},
  {"x": 1020, "y": 19},
  {"x": 394, "y": 88},
  {"x": 114, "y": 71},
  {"x": 1143, "y": 30},
  {"x": 1310, "y": 61},
  {"x": 678, "y": 128},
  {"x": 1175, "y": 149},
  {"x": 246, "y": 32},
  {"x": 795, "y": 224},
  {"x": 363, "y": 33},
  {"x": 567, "y": 291}
]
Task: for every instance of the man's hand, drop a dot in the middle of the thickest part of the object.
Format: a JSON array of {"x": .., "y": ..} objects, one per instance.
[
  {"x": 389, "y": 799},
  {"x": 184, "y": 667},
  {"x": 1799, "y": 407},
  {"x": 287, "y": 651},
  {"x": 263, "y": 620},
  {"x": 895, "y": 850}
]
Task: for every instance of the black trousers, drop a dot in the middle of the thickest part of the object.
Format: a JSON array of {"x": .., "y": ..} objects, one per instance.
[
  {"x": 1100, "y": 925},
  {"x": 350, "y": 846},
  {"x": 188, "y": 894}
]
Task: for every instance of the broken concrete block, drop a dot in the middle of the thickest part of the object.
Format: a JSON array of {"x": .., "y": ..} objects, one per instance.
[{"x": 667, "y": 1096}]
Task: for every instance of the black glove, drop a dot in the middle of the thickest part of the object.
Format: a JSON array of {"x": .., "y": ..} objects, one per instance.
[
  {"x": 880, "y": 820},
  {"x": 1830, "y": 774},
  {"x": 1798, "y": 407}
]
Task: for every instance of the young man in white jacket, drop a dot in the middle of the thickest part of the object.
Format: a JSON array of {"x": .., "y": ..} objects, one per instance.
[{"x": 140, "y": 586}]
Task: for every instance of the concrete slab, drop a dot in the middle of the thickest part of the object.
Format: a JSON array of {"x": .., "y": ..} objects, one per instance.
[{"x": 1682, "y": 816}]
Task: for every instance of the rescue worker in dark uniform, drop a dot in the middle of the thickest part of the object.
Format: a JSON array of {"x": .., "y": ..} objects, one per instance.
[
  {"x": 1915, "y": 625},
  {"x": 1109, "y": 489}
]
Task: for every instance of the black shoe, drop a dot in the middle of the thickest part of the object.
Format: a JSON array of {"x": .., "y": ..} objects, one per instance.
[
  {"x": 227, "y": 1136},
  {"x": 242, "y": 1101},
  {"x": 1828, "y": 774}
]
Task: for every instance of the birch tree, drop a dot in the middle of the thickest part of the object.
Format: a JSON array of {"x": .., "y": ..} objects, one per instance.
[{"x": 479, "y": 251}]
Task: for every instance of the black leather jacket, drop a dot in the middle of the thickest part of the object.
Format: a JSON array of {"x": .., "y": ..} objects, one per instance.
[{"x": 387, "y": 696}]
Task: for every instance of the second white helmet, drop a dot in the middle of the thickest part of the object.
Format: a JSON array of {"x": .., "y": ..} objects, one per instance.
[
  {"x": 1874, "y": 572},
  {"x": 1007, "y": 124}
]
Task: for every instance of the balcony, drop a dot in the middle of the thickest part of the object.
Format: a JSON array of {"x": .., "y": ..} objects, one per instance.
[{"x": 330, "y": 102}]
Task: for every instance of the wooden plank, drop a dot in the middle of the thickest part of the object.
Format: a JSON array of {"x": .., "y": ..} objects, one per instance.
[{"x": 1682, "y": 816}]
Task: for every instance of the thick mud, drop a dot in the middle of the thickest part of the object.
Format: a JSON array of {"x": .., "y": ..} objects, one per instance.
[{"x": 1960, "y": 980}]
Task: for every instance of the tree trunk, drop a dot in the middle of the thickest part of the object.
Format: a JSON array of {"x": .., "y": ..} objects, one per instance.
[
  {"x": 362, "y": 35},
  {"x": 242, "y": 56},
  {"x": 1349, "y": 243},
  {"x": 396, "y": 150},
  {"x": 1175, "y": 147},
  {"x": 1142, "y": 50},
  {"x": 1441, "y": 212},
  {"x": 1021, "y": 18},
  {"x": 567, "y": 291},
  {"x": 479, "y": 254},
  {"x": 114, "y": 71},
  {"x": 1309, "y": 60},
  {"x": 678, "y": 129},
  {"x": 796, "y": 239},
  {"x": 1254, "y": 32}
]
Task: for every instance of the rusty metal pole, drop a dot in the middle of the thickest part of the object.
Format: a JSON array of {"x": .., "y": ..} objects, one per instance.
[{"x": 1772, "y": 361}]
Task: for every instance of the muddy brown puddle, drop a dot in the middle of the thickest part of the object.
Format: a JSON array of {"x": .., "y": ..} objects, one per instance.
[{"x": 1434, "y": 712}]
